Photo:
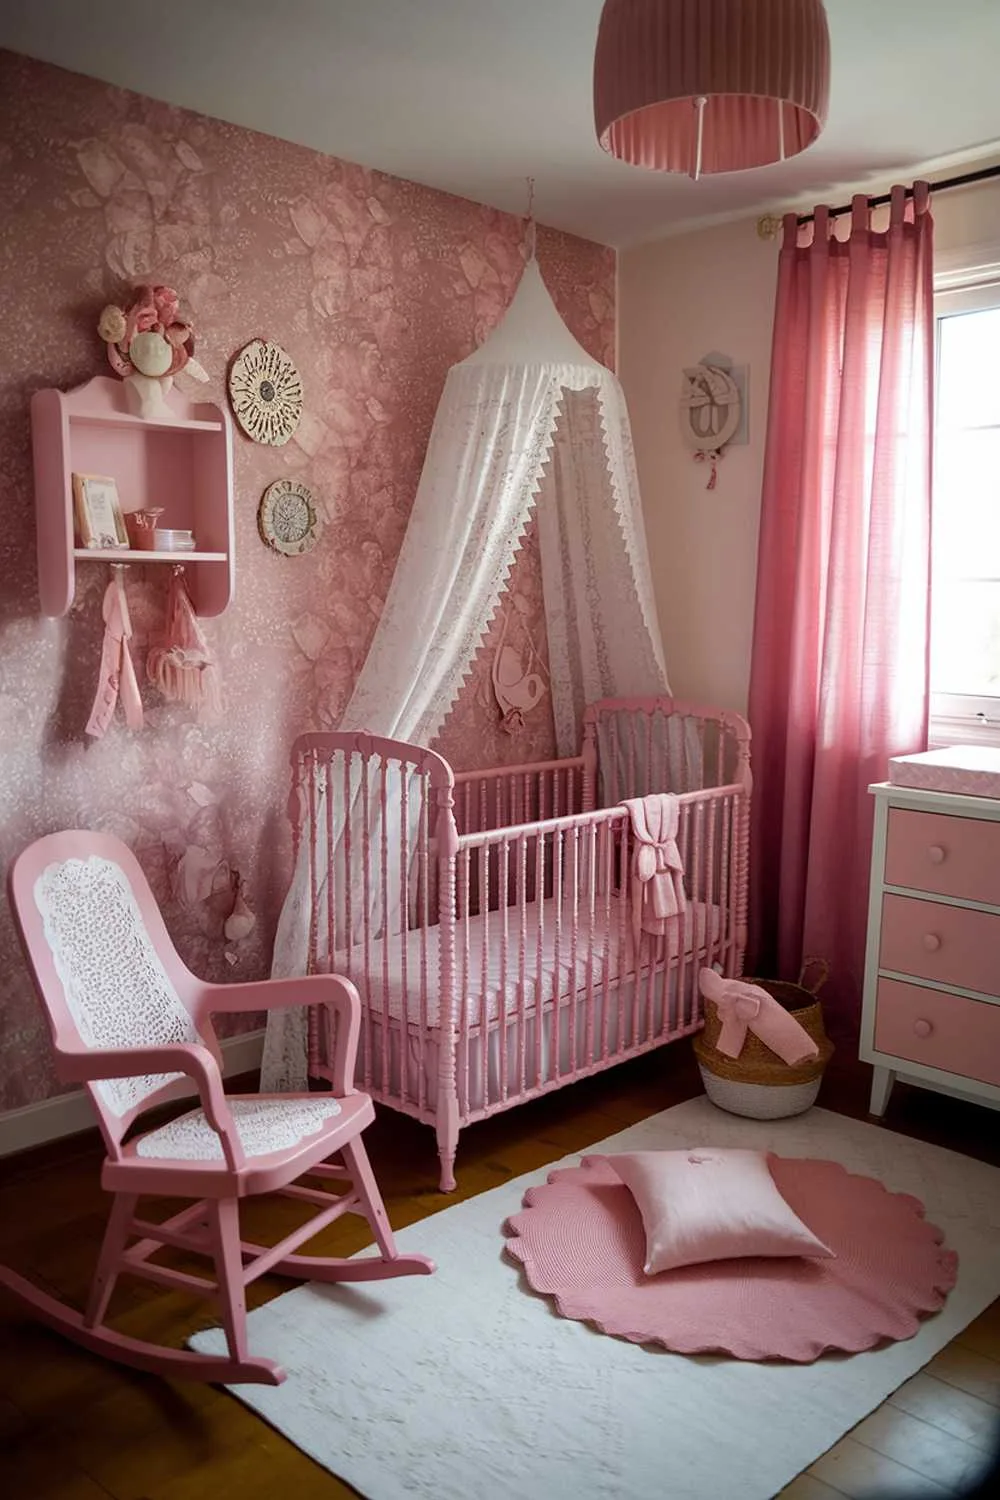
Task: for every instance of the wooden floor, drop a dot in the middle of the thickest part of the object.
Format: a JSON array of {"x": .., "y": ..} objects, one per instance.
[{"x": 73, "y": 1427}]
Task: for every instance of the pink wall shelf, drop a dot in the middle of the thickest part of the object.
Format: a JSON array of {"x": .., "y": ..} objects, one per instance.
[{"x": 184, "y": 465}]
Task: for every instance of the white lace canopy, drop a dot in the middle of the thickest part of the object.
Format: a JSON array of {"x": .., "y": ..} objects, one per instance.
[{"x": 528, "y": 423}]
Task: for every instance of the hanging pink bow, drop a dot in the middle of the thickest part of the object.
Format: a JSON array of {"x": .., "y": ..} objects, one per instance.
[
  {"x": 657, "y": 868},
  {"x": 117, "y": 671},
  {"x": 746, "y": 1007}
]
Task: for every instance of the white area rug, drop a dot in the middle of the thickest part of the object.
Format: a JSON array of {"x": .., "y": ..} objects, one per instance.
[{"x": 465, "y": 1383}]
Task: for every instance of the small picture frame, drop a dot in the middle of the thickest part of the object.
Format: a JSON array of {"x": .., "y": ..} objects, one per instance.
[{"x": 99, "y": 519}]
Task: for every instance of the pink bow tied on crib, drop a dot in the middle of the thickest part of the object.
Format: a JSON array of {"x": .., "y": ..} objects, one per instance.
[
  {"x": 657, "y": 869},
  {"x": 746, "y": 1007}
]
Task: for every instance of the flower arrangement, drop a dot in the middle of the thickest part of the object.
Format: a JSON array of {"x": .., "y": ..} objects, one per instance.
[{"x": 148, "y": 344}]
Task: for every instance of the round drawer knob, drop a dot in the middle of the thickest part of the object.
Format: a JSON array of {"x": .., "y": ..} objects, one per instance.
[
  {"x": 922, "y": 1028},
  {"x": 931, "y": 942},
  {"x": 936, "y": 854}
]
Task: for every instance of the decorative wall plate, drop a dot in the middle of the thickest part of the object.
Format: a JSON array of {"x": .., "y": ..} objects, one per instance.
[
  {"x": 266, "y": 392},
  {"x": 287, "y": 518}
]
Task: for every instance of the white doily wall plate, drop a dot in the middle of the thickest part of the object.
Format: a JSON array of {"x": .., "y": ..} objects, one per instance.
[
  {"x": 288, "y": 520},
  {"x": 266, "y": 392}
]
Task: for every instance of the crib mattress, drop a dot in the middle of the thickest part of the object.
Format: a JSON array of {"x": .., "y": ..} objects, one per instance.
[{"x": 490, "y": 975}]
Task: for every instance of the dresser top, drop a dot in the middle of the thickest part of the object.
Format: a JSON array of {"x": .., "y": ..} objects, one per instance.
[{"x": 920, "y": 799}]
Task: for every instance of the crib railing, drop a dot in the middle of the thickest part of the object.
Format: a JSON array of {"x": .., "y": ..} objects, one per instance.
[
  {"x": 654, "y": 745},
  {"x": 550, "y": 981},
  {"x": 492, "y": 941},
  {"x": 507, "y": 795}
]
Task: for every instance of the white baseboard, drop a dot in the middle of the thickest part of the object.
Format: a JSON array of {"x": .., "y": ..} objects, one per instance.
[{"x": 67, "y": 1114}]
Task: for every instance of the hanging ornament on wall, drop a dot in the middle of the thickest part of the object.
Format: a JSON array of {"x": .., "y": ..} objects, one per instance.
[
  {"x": 266, "y": 392},
  {"x": 241, "y": 920},
  {"x": 287, "y": 519},
  {"x": 712, "y": 409},
  {"x": 517, "y": 669}
]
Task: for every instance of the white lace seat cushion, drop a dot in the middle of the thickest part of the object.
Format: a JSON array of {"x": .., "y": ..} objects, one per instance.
[{"x": 263, "y": 1125}]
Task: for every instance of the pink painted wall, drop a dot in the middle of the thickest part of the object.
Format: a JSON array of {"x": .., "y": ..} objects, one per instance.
[
  {"x": 678, "y": 299},
  {"x": 375, "y": 286}
]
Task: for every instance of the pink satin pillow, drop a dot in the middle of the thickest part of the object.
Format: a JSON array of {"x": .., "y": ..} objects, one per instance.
[{"x": 707, "y": 1204}]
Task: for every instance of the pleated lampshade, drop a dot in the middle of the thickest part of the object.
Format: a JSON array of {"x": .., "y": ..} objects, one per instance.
[{"x": 702, "y": 86}]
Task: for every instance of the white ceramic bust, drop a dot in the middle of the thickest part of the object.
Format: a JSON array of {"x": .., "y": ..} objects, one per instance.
[{"x": 151, "y": 355}]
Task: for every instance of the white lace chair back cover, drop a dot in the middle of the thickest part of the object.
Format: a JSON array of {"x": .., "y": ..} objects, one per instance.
[{"x": 116, "y": 988}]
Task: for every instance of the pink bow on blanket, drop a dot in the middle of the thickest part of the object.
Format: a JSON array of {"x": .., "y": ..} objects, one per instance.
[
  {"x": 657, "y": 870},
  {"x": 746, "y": 1007},
  {"x": 117, "y": 671}
]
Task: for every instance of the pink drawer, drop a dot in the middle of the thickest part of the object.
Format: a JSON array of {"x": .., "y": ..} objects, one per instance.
[
  {"x": 942, "y": 1031},
  {"x": 948, "y": 943},
  {"x": 950, "y": 856}
]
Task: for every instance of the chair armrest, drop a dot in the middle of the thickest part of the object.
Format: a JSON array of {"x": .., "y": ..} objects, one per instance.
[
  {"x": 96, "y": 1064},
  {"x": 338, "y": 996}
]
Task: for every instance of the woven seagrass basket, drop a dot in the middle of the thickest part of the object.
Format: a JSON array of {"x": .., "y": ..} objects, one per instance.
[{"x": 758, "y": 1084}]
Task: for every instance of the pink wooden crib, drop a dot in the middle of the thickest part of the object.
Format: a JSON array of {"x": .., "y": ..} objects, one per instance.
[{"x": 486, "y": 917}]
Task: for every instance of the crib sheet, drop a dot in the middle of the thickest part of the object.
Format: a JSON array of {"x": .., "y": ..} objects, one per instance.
[
  {"x": 489, "y": 967},
  {"x": 408, "y": 1067}
]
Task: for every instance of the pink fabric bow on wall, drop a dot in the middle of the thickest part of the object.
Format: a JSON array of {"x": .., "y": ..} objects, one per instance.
[
  {"x": 746, "y": 1007},
  {"x": 657, "y": 869},
  {"x": 117, "y": 671}
]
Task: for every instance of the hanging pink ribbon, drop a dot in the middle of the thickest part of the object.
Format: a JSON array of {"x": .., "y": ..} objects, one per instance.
[
  {"x": 657, "y": 868},
  {"x": 117, "y": 672},
  {"x": 714, "y": 457},
  {"x": 746, "y": 1007}
]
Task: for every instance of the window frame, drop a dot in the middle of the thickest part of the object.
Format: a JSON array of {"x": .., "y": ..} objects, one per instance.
[{"x": 961, "y": 718}]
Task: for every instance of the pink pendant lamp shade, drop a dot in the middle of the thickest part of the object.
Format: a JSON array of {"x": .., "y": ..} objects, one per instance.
[{"x": 700, "y": 86}]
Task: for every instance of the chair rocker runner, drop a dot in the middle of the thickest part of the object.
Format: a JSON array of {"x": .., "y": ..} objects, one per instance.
[{"x": 132, "y": 1023}]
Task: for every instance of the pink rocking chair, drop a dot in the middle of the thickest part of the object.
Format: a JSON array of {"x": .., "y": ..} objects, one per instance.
[{"x": 130, "y": 1021}]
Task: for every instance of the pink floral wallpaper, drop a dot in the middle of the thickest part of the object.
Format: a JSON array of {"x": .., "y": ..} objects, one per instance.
[{"x": 375, "y": 286}]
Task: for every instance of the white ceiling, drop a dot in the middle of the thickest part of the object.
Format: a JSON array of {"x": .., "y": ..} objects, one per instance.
[{"x": 474, "y": 96}]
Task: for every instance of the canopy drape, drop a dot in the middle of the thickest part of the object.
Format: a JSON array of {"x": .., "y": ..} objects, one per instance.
[{"x": 528, "y": 424}]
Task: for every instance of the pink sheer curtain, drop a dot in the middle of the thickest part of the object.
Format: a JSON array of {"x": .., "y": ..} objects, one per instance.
[{"x": 839, "y": 675}]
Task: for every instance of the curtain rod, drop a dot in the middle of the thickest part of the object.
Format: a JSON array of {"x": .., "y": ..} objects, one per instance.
[{"x": 983, "y": 175}]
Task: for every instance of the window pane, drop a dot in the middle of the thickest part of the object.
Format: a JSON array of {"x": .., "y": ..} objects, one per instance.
[
  {"x": 965, "y": 639},
  {"x": 967, "y": 503},
  {"x": 968, "y": 369}
]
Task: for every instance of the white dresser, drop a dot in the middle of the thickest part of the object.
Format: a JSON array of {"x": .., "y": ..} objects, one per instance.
[{"x": 931, "y": 1012}]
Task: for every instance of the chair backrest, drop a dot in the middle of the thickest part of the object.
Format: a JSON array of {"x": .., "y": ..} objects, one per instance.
[{"x": 105, "y": 969}]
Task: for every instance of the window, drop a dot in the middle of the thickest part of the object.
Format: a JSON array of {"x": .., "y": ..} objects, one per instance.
[{"x": 965, "y": 626}]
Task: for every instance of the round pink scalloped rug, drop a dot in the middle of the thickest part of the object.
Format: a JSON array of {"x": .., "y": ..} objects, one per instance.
[{"x": 581, "y": 1241}]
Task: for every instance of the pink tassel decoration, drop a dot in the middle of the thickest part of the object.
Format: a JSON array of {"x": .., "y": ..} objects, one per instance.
[{"x": 180, "y": 665}]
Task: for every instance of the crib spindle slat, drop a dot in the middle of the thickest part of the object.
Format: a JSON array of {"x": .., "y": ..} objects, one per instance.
[
  {"x": 484, "y": 982},
  {"x": 606, "y": 845},
  {"x": 464, "y": 1004},
  {"x": 590, "y": 834},
  {"x": 503, "y": 877},
  {"x": 405, "y": 1061},
  {"x": 687, "y": 928},
  {"x": 574, "y": 882},
  {"x": 424, "y": 920},
  {"x": 557, "y": 908},
  {"x": 625, "y": 943},
  {"x": 540, "y": 881},
  {"x": 522, "y": 960}
]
